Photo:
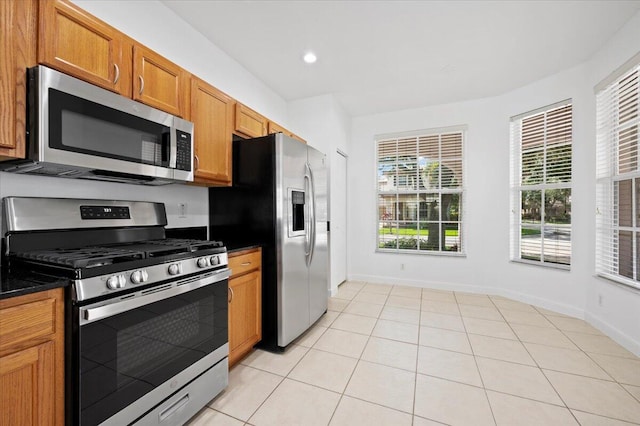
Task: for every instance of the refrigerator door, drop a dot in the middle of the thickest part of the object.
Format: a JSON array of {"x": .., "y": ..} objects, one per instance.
[
  {"x": 319, "y": 253},
  {"x": 293, "y": 232}
]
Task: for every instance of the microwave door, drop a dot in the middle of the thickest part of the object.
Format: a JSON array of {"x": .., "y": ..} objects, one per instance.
[{"x": 82, "y": 126}]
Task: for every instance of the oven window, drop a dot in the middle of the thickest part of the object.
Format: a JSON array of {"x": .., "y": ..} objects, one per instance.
[
  {"x": 162, "y": 338},
  {"x": 82, "y": 126},
  {"x": 125, "y": 356}
]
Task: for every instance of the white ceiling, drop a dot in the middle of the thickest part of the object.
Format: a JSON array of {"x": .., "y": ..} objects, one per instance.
[{"x": 377, "y": 56}]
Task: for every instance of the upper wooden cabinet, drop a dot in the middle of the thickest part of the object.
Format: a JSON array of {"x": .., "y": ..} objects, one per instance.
[
  {"x": 32, "y": 359},
  {"x": 77, "y": 43},
  {"x": 212, "y": 115},
  {"x": 159, "y": 82},
  {"x": 18, "y": 23},
  {"x": 276, "y": 128},
  {"x": 249, "y": 123}
]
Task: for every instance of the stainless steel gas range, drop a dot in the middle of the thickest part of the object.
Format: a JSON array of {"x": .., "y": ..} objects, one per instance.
[{"x": 147, "y": 332}]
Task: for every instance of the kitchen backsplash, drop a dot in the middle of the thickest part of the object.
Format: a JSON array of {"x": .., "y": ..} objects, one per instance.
[{"x": 186, "y": 205}]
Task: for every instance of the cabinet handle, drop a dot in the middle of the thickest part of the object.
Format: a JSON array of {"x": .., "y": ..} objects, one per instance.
[
  {"x": 141, "y": 84},
  {"x": 197, "y": 162},
  {"x": 115, "y": 80},
  {"x": 245, "y": 264},
  {"x": 230, "y": 294}
]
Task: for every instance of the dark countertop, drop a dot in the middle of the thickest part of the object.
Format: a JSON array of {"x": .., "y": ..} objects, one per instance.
[{"x": 17, "y": 284}]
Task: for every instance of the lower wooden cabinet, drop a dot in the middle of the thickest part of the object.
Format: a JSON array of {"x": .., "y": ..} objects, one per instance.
[
  {"x": 32, "y": 359},
  {"x": 245, "y": 303}
]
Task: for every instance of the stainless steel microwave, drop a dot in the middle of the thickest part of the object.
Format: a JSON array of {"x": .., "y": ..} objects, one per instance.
[{"x": 78, "y": 130}]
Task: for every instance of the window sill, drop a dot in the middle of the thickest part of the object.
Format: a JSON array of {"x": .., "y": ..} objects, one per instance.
[
  {"x": 621, "y": 282},
  {"x": 422, "y": 252},
  {"x": 543, "y": 265}
]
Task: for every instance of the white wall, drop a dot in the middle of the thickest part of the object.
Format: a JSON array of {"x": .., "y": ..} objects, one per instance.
[
  {"x": 325, "y": 126},
  {"x": 486, "y": 267},
  {"x": 196, "y": 198}
]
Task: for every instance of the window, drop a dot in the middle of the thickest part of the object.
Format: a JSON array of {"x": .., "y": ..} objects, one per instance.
[
  {"x": 420, "y": 186},
  {"x": 541, "y": 185},
  {"x": 618, "y": 180}
]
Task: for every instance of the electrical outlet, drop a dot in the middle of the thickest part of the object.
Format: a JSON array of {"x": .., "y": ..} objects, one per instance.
[
  {"x": 600, "y": 300},
  {"x": 182, "y": 210},
  {"x": 402, "y": 266}
]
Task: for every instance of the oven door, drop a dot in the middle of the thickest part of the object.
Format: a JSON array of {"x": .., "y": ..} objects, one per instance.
[{"x": 136, "y": 350}]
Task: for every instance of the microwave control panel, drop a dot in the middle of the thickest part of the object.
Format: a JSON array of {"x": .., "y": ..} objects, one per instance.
[{"x": 183, "y": 151}]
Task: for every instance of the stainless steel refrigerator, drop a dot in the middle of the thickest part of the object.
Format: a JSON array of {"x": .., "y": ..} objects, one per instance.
[{"x": 279, "y": 201}]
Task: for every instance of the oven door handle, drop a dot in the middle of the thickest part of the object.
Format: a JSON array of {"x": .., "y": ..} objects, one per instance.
[{"x": 90, "y": 314}]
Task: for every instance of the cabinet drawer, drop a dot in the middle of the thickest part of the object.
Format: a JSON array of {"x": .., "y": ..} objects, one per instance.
[
  {"x": 28, "y": 322},
  {"x": 245, "y": 262}
]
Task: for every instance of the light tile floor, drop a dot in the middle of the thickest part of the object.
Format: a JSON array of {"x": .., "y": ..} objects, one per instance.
[{"x": 395, "y": 355}]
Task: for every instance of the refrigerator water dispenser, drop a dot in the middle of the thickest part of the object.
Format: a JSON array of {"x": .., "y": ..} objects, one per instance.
[{"x": 296, "y": 214}]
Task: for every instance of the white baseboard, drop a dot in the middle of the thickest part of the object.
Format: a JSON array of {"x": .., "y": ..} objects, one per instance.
[{"x": 627, "y": 341}]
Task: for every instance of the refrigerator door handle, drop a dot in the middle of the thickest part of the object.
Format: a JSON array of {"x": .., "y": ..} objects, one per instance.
[
  {"x": 307, "y": 225},
  {"x": 313, "y": 213}
]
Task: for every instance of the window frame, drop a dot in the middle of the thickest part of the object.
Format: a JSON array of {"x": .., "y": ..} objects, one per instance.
[
  {"x": 610, "y": 154},
  {"x": 461, "y": 190},
  {"x": 517, "y": 188}
]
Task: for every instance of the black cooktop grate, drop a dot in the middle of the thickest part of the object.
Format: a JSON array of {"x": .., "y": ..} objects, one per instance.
[
  {"x": 85, "y": 257},
  {"x": 91, "y": 257}
]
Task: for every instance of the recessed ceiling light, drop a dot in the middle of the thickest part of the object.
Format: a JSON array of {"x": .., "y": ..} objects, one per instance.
[{"x": 310, "y": 57}]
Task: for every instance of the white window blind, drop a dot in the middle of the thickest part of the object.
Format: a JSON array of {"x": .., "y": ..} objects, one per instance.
[
  {"x": 618, "y": 180},
  {"x": 420, "y": 188},
  {"x": 541, "y": 146}
]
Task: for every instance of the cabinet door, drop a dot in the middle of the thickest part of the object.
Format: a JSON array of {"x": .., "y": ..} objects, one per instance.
[
  {"x": 159, "y": 82},
  {"x": 17, "y": 53},
  {"x": 76, "y": 43},
  {"x": 28, "y": 386},
  {"x": 32, "y": 359},
  {"x": 250, "y": 123},
  {"x": 245, "y": 314},
  {"x": 276, "y": 128},
  {"x": 212, "y": 116}
]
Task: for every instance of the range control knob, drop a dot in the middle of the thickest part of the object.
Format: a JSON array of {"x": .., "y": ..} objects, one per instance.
[
  {"x": 174, "y": 269},
  {"x": 112, "y": 282},
  {"x": 116, "y": 281},
  {"x": 214, "y": 260},
  {"x": 140, "y": 276},
  {"x": 202, "y": 262}
]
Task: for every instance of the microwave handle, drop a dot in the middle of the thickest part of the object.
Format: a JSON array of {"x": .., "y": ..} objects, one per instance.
[{"x": 173, "y": 147}]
